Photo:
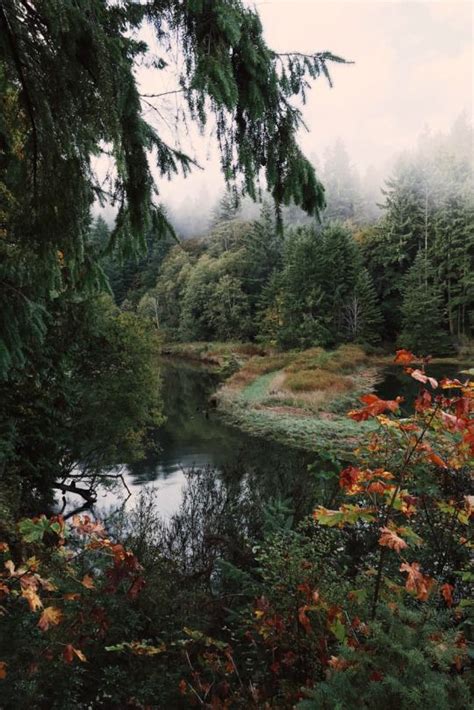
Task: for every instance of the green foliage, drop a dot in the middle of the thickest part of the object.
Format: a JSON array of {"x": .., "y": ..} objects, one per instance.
[
  {"x": 422, "y": 316},
  {"x": 406, "y": 664},
  {"x": 87, "y": 405},
  {"x": 69, "y": 95}
]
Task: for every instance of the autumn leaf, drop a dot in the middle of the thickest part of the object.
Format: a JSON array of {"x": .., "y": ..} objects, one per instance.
[
  {"x": 86, "y": 526},
  {"x": 88, "y": 582},
  {"x": 390, "y": 539},
  {"x": 3, "y": 670},
  {"x": 416, "y": 581},
  {"x": 374, "y": 407},
  {"x": 437, "y": 460},
  {"x": 69, "y": 653},
  {"x": 447, "y": 384},
  {"x": 183, "y": 686},
  {"x": 421, "y": 377},
  {"x": 376, "y": 676},
  {"x": 32, "y": 598},
  {"x": 51, "y": 616},
  {"x": 349, "y": 477},
  {"x": 10, "y": 567},
  {"x": 447, "y": 593},
  {"x": 136, "y": 587},
  {"x": 404, "y": 357},
  {"x": 338, "y": 664},
  {"x": 71, "y": 597},
  {"x": 303, "y": 618},
  {"x": 4, "y": 547}
]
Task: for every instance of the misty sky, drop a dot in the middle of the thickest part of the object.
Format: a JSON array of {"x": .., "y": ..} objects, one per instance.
[{"x": 413, "y": 68}]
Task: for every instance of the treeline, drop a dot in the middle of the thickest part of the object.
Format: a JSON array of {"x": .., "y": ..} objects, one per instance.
[{"x": 405, "y": 277}]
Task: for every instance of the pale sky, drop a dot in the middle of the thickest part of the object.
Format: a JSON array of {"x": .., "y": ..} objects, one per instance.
[{"x": 413, "y": 68}]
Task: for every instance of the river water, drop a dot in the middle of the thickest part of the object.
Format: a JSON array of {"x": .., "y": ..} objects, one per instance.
[{"x": 196, "y": 436}]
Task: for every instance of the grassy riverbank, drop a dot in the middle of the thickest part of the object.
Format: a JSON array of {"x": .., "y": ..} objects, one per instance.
[
  {"x": 215, "y": 354},
  {"x": 301, "y": 398}
]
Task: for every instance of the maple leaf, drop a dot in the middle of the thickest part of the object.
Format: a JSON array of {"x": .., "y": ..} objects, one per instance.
[
  {"x": 447, "y": 593},
  {"x": 416, "y": 581},
  {"x": 374, "y": 407},
  {"x": 32, "y": 598},
  {"x": 86, "y": 526},
  {"x": 390, "y": 539},
  {"x": 420, "y": 376},
  {"x": 423, "y": 401},
  {"x": 349, "y": 477},
  {"x": 447, "y": 384},
  {"x": 88, "y": 582},
  {"x": 404, "y": 357},
  {"x": 51, "y": 616},
  {"x": 69, "y": 653}
]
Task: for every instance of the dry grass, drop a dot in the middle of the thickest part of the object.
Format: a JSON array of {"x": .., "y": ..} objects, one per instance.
[
  {"x": 347, "y": 358},
  {"x": 256, "y": 367},
  {"x": 312, "y": 380}
]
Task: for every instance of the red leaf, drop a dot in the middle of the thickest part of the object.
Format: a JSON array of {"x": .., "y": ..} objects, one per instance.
[
  {"x": 136, "y": 587},
  {"x": 348, "y": 477},
  {"x": 303, "y": 618},
  {"x": 447, "y": 593},
  {"x": 376, "y": 676},
  {"x": 416, "y": 581},
  {"x": 447, "y": 384},
  {"x": 404, "y": 357},
  {"x": 374, "y": 407}
]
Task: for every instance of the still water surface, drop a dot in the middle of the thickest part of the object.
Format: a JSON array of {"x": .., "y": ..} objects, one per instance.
[{"x": 196, "y": 436}]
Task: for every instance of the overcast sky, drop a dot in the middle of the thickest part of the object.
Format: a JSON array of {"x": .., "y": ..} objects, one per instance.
[{"x": 413, "y": 68}]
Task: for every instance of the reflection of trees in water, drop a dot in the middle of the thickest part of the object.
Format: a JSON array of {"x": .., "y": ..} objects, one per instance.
[
  {"x": 396, "y": 382},
  {"x": 272, "y": 470},
  {"x": 221, "y": 511}
]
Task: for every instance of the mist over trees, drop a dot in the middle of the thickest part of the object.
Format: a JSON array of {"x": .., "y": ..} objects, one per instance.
[{"x": 399, "y": 271}]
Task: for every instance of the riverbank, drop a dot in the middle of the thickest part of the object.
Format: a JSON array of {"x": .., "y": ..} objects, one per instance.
[
  {"x": 297, "y": 398},
  {"x": 301, "y": 398},
  {"x": 223, "y": 356}
]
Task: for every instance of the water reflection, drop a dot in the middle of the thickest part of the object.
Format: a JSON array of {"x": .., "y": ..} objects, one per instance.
[{"x": 196, "y": 436}]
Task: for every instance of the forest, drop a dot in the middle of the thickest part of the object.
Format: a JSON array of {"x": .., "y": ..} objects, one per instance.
[{"x": 303, "y": 357}]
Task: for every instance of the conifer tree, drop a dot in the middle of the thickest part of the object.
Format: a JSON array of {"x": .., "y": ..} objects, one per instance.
[
  {"x": 423, "y": 324},
  {"x": 67, "y": 70},
  {"x": 362, "y": 316}
]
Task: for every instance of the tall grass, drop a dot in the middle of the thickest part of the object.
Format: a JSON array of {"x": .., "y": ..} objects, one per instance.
[{"x": 311, "y": 380}]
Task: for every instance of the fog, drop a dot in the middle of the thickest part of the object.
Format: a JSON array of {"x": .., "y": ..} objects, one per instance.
[{"x": 412, "y": 75}]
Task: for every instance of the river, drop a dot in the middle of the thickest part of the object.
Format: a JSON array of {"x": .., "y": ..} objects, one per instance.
[{"x": 196, "y": 436}]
